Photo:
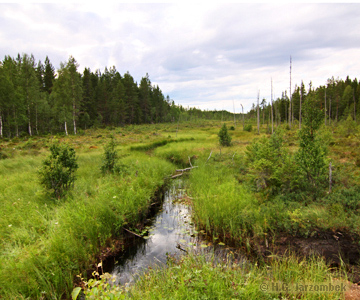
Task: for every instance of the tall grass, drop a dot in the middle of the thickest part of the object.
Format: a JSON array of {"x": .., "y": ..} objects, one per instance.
[
  {"x": 45, "y": 242},
  {"x": 226, "y": 207},
  {"x": 223, "y": 206},
  {"x": 203, "y": 277}
]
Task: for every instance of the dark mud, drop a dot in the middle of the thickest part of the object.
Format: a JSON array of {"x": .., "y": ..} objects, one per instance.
[{"x": 337, "y": 248}]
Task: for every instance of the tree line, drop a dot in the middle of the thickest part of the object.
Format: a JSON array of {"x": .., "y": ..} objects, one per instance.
[
  {"x": 36, "y": 99},
  {"x": 338, "y": 99}
]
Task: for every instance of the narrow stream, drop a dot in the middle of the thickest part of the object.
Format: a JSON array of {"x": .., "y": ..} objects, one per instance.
[{"x": 170, "y": 232}]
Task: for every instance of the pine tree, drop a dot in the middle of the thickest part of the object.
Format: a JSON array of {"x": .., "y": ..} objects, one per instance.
[
  {"x": 224, "y": 137},
  {"x": 49, "y": 76},
  {"x": 144, "y": 98}
]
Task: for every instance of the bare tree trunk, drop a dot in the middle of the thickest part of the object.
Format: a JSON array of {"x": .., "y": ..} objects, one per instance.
[
  {"x": 242, "y": 109},
  {"x": 234, "y": 114},
  {"x": 74, "y": 121},
  {"x": 330, "y": 111},
  {"x": 300, "y": 104},
  {"x": 1, "y": 126},
  {"x": 258, "y": 113},
  {"x": 325, "y": 107},
  {"x": 337, "y": 108},
  {"x": 66, "y": 131},
  {"x": 29, "y": 124},
  {"x": 290, "y": 96},
  {"x": 330, "y": 177},
  {"x": 272, "y": 113}
]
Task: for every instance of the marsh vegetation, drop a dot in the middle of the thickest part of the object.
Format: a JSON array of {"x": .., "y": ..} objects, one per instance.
[{"x": 237, "y": 195}]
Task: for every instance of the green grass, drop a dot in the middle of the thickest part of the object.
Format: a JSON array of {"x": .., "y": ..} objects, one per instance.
[
  {"x": 201, "y": 277},
  {"x": 46, "y": 242}
]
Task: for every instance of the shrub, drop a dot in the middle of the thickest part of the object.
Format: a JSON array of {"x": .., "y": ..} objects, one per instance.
[
  {"x": 58, "y": 170},
  {"x": 348, "y": 127},
  {"x": 311, "y": 156},
  {"x": 348, "y": 198},
  {"x": 248, "y": 128},
  {"x": 268, "y": 164},
  {"x": 224, "y": 137},
  {"x": 110, "y": 162}
]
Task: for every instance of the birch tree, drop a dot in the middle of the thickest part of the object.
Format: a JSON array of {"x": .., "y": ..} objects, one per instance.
[{"x": 67, "y": 93}]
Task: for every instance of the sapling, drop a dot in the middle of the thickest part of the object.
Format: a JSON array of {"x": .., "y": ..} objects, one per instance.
[
  {"x": 110, "y": 162},
  {"x": 58, "y": 170},
  {"x": 224, "y": 137}
]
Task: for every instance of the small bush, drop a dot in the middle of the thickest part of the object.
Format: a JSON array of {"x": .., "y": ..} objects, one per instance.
[
  {"x": 224, "y": 137},
  {"x": 232, "y": 128},
  {"x": 2, "y": 154},
  {"x": 348, "y": 198},
  {"x": 110, "y": 162},
  {"x": 248, "y": 128},
  {"x": 58, "y": 171}
]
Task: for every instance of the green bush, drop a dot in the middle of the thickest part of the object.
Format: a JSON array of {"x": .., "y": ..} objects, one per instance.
[
  {"x": 348, "y": 127},
  {"x": 311, "y": 156},
  {"x": 348, "y": 198},
  {"x": 268, "y": 164},
  {"x": 110, "y": 162},
  {"x": 224, "y": 137},
  {"x": 58, "y": 170},
  {"x": 248, "y": 128}
]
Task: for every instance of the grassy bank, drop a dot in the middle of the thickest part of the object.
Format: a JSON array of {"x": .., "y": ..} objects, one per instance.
[
  {"x": 200, "y": 277},
  {"x": 46, "y": 242}
]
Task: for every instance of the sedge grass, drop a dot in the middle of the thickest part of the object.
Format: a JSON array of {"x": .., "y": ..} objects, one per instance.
[
  {"x": 47, "y": 242},
  {"x": 203, "y": 277}
]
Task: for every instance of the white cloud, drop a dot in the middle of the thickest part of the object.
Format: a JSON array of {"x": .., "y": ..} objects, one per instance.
[{"x": 201, "y": 55}]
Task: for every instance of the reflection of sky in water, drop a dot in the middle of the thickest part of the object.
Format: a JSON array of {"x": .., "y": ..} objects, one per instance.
[{"x": 167, "y": 231}]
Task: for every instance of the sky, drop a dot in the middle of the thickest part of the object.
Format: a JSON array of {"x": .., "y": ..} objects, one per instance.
[{"x": 208, "y": 56}]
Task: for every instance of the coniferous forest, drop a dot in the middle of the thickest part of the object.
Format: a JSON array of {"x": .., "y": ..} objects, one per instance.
[{"x": 37, "y": 99}]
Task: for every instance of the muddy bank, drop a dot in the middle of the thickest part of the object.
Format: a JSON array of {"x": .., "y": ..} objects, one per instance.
[{"x": 337, "y": 248}]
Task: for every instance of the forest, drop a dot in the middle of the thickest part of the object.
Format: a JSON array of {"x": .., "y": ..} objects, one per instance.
[{"x": 37, "y": 99}]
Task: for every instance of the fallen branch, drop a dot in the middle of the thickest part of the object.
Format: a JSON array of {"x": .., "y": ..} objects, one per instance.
[
  {"x": 177, "y": 175},
  {"x": 187, "y": 169},
  {"x": 133, "y": 233},
  {"x": 190, "y": 161},
  {"x": 179, "y": 246}
]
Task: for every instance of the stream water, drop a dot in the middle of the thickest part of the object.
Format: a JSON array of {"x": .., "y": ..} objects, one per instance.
[{"x": 170, "y": 233}]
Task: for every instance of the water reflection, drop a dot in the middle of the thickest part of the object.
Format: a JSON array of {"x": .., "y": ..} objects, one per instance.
[
  {"x": 170, "y": 233},
  {"x": 170, "y": 228}
]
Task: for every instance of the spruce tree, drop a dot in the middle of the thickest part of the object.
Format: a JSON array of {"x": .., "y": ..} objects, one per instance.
[{"x": 224, "y": 137}]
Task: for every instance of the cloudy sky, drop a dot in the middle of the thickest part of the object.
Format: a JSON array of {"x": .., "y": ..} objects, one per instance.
[{"x": 207, "y": 56}]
